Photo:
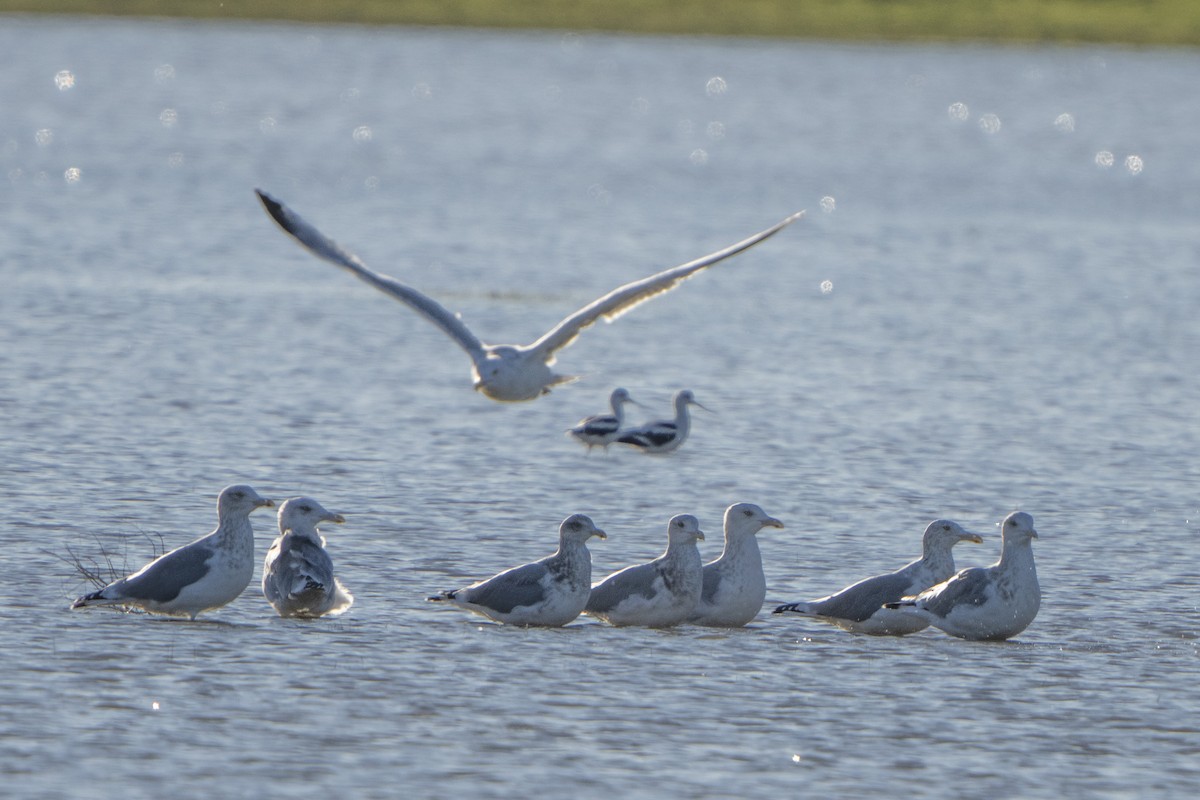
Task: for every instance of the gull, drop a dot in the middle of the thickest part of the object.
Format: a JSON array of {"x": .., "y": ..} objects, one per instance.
[
  {"x": 666, "y": 435},
  {"x": 859, "y": 608},
  {"x": 986, "y": 603},
  {"x": 197, "y": 577},
  {"x": 508, "y": 372},
  {"x": 602, "y": 429},
  {"x": 298, "y": 576},
  {"x": 660, "y": 593},
  {"x": 546, "y": 593},
  {"x": 734, "y": 586}
]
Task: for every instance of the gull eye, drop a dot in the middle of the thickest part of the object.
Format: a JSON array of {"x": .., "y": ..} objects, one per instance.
[{"x": 945, "y": 527}]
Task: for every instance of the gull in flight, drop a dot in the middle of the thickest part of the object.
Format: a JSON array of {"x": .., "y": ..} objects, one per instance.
[{"x": 508, "y": 372}]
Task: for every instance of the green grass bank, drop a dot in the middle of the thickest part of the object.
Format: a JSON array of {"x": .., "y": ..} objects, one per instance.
[{"x": 1134, "y": 22}]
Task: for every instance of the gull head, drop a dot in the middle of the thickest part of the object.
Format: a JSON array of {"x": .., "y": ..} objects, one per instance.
[
  {"x": 579, "y": 528},
  {"x": 1018, "y": 527},
  {"x": 512, "y": 375},
  {"x": 683, "y": 529},
  {"x": 304, "y": 514},
  {"x": 747, "y": 519},
  {"x": 240, "y": 499},
  {"x": 943, "y": 534}
]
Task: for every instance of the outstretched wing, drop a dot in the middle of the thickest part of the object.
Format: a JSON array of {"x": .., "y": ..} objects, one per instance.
[
  {"x": 322, "y": 246},
  {"x": 624, "y": 298}
]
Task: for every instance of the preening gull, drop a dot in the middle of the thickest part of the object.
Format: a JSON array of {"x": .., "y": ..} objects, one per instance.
[
  {"x": 547, "y": 593},
  {"x": 507, "y": 372},
  {"x": 986, "y": 603},
  {"x": 298, "y": 578},
  {"x": 734, "y": 586},
  {"x": 602, "y": 429},
  {"x": 666, "y": 435},
  {"x": 657, "y": 594},
  {"x": 197, "y": 577},
  {"x": 859, "y": 608}
]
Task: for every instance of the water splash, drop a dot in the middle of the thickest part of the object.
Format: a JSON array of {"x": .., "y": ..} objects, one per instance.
[{"x": 64, "y": 79}]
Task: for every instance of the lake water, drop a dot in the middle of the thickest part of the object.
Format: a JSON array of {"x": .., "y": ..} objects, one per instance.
[{"x": 1008, "y": 240}]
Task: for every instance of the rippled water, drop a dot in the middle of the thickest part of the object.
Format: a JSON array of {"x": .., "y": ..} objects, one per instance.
[{"x": 991, "y": 305}]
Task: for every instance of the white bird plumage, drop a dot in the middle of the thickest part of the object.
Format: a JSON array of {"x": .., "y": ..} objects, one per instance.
[
  {"x": 658, "y": 594},
  {"x": 547, "y": 593},
  {"x": 986, "y": 603},
  {"x": 859, "y": 608},
  {"x": 663, "y": 436},
  {"x": 503, "y": 372},
  {"x": 298, "y": 579},
  {"x": 199, "y": 576},
  {"x": 734, "y": 586},
  {"x": 601, "y": 430}
]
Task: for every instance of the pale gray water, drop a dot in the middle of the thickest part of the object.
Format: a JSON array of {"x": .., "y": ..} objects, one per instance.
[{"x": 1010, "y": 325}]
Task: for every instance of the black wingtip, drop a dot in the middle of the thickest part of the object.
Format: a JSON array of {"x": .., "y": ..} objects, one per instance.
[{"x": 273, "y": 206}]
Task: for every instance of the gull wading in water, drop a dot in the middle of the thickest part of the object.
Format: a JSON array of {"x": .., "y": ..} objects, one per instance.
[
  {"x": 197, "y": 577},
  {"x": 859, "y": 608},
  {"x": 658, "y": 594},
  {"x": 546, "y": 593},
  {"x": 734, "y": 585},
  {"x": 602, "y": 429},
  {"x": 986, "y": 603},
  {"x": 665, "y": 435},
  {"x": 298, "y": 576},
  {"x": 508, "y": 372}
]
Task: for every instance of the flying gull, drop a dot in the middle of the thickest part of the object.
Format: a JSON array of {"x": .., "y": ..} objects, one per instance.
[
  {"x": 666, "y": 435},
  {"x": 508, "y": 372},
  {"x": 298, "y": 578},
  {"x": 986, "y": 603},
  {"x": 734, "y": 586},
  {"x": 197, "y": 577},
  {"x": 602, "y": 429},
  {"x": 658, "y": 594},
  {"x": 546, "y": 593},
  {"x": 859, "y": 608}
]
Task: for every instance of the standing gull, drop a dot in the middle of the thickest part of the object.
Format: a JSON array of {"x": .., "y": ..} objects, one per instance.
[
  {"x": 197, "y": 577},
  {"x": 859, "y": 608},
  {"x": 602, "y": 429},
  {"x": 666, "y": 435},
  {"x": 734, "y": 586},
  {"x": 547, "y": 593},
  {"x": 298, "y": 576},
  {"x": 658, "y": 594},
  {"x": 986, "y": 603},
  {"x": 508, "y": 372}
]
